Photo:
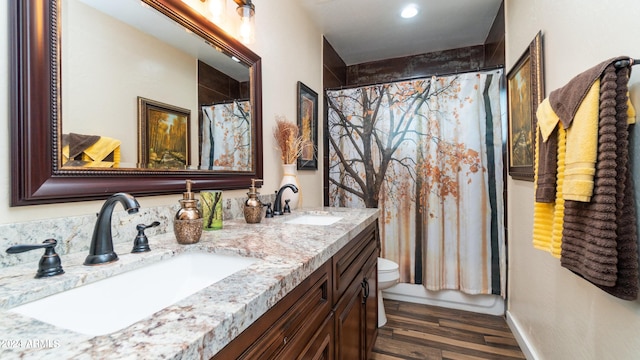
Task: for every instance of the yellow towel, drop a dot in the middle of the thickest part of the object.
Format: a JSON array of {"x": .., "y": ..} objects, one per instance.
[
  {"x": 101, "y": 149},
  {"x": 582, "y": 148},
  {"x": 558, "y": 210},
  {"x": 95, "y": 155},
  {"x": 548, "y": 217},
  {"x": 631, "y": 111},
  {"x": 547, "y": 118}
]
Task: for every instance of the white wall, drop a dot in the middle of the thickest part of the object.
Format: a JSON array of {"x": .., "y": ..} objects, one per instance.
[
  {"x": 559, "y": 315},
  {"x": 291, "y": 50}
]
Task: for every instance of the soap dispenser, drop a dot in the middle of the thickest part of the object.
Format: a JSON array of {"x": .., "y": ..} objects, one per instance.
[
  {"x": 253, "y": 205},
  {"x": 187, "y": 225}
]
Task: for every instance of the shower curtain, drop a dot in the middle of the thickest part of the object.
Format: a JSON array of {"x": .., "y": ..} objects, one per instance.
[
  {"x": 226, "y": 136},
  {"x": 428, "y": 154}
]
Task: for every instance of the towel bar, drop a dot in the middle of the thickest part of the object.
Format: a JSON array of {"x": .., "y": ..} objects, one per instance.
[{"x": 624, "y": 63}]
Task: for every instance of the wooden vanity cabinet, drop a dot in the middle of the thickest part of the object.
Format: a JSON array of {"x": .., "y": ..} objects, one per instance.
[
  {"x": 355, "y": 271},
  {"x": 332, "y": 314},
  {"x": 320, "y": 347},
  {"x": 290, "y": 325}
]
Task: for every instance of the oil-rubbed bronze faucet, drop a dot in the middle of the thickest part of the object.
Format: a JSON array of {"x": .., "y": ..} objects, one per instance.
[
  {"x": 101, "y": 250},
  {"x": 277, "y": 206}
]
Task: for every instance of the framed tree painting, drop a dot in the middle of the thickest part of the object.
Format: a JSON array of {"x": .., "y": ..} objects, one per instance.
[
  {"x": 308, "y": 125},
  {"x": 525, "y": 91},
  {"x": 163, "y": 135}
]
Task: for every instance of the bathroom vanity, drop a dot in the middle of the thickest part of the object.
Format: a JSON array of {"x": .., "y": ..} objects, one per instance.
[
  {"x": 309, "y": 292},
  {"x": 331, "y": 313}
]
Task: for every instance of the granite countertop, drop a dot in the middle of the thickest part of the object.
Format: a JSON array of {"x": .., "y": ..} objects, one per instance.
[{"x": 198, "y": 326}]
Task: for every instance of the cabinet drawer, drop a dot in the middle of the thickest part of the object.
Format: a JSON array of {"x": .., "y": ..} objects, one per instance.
[
  {"x": 320, "y": 347},
  {"x": 306, "y": 307},
  {"x": 349, "y": 261}
]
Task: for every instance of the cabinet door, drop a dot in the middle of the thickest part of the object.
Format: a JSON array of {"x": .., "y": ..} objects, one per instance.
[
  {"x": 370, "y": 303},
  {"x": 349, "y": 314}
]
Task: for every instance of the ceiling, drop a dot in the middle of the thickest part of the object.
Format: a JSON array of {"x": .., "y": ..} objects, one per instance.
[{"x": 368, "y": 30}]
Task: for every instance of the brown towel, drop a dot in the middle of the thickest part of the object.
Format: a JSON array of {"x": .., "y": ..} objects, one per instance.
[
  {"x": 566, "y": 100},
  {"x": 626, "y": 286},
  {"x": 78, "y": 143},
  {"x": 599, "y": 240},
  {"x": 547, "y": 169}
]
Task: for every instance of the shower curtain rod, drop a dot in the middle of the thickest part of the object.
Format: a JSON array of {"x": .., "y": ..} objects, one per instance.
[
  {"x": 624, "y": 63},
  {"x": 225, "y": 102},
  {"x": 344, "y": 87}
]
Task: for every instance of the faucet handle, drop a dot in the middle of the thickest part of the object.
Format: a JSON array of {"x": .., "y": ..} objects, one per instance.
[
  {"x": 287, "y": 208},
  {"x": 50, "y": 264},
  {"x": 269, "y": 212},
  {"x": 141, "y": 243}
]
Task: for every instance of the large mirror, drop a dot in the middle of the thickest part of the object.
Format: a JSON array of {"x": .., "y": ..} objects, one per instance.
[{"x": 132, "y": 96}]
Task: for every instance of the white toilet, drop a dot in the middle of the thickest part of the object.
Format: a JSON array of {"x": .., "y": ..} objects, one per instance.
[{"x": 388, "y": 275}]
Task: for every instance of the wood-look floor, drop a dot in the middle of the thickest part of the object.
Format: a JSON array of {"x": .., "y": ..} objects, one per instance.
[{"x": 421, "y": 332}]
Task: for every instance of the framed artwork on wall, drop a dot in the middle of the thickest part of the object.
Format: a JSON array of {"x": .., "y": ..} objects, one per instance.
[
  {"x": 163, "y": 135},
  {"x": 525, "y": 91},
  {"x": 308, "y": 125}
]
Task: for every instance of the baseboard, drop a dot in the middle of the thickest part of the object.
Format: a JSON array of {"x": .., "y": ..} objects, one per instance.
[
  {"x": 524, "y": 344},
  {"x": 484, "y": 304}
]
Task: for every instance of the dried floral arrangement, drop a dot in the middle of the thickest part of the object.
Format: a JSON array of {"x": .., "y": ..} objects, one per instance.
[{"x": 288, "y": 140}]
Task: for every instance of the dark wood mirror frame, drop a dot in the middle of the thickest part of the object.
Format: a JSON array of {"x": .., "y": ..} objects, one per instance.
[{"x": 35, "y": 110}]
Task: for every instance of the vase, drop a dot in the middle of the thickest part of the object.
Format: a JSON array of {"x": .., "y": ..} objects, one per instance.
[{"x": 290, "y": 176}]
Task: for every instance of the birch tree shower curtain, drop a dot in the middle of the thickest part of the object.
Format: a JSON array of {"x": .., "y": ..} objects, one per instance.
[
  {"x": 226, "y": 136},
  {"x": 428, "y": 153}
]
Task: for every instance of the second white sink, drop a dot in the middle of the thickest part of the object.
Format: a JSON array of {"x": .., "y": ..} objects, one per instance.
[{"x": 114, "y": 303}]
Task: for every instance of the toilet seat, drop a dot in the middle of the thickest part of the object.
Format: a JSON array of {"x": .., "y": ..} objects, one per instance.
[
  {"x": 386, "y": 265},
  {"x": 387, "y": 270}
]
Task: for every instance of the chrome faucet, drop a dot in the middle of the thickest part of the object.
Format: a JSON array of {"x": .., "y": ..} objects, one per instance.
[
  {"x": 277, "y": 206},
  {"x": 101, "y": 251}
]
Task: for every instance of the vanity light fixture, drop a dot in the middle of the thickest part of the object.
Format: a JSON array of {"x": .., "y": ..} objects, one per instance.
[
  {"x": 409, "y": 11},
  {"x": 246, "y": 10},
  {"x": 218, "y": 11}
]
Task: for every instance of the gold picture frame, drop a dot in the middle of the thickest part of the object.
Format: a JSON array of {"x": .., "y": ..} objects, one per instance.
[
  {"x": 525, "y": 91},
  {"x": 163, "y": 135}
]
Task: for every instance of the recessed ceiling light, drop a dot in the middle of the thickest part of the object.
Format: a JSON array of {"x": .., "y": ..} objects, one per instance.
[{"x": 409, "y": 11}]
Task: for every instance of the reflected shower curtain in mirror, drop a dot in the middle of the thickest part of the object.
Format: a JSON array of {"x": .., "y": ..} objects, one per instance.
[
  {"x": 226, "y": 136},
  {"x": 428, "y": 153}
]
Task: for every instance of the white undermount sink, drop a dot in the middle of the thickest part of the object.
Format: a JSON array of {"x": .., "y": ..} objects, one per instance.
[
  {"x": 116, "y": 302},
  {"x": 314, "y": 220}
]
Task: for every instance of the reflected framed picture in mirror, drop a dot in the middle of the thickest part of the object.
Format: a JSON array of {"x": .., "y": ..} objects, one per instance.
[
  {"x": 308, "y": 125},
  {"x": 163, "y": 135}
]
